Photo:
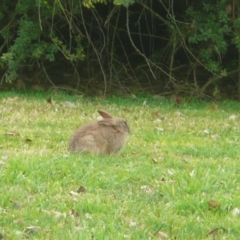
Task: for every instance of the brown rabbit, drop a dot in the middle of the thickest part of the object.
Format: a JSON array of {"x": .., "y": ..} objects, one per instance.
[{"x": 106, "y": 136}]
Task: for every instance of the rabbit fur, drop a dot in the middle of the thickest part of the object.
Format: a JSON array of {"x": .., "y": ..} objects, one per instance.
[{"x": 106, "y": 136}]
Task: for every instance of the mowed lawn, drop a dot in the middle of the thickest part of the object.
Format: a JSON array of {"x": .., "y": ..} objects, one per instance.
[{"x": 178, "y": 176}]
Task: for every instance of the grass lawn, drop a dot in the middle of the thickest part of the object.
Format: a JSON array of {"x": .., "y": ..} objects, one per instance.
[{"x": 178, "y": 177}]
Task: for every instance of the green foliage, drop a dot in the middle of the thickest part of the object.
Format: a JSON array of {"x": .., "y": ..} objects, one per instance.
[
  {"x": 31, "y": 36},
  {"x": 125, "y": 3},
  {"x": 236, "y": 39},
  {"x": 21, "y": 50},
  {"x": 209, "y": 31}
]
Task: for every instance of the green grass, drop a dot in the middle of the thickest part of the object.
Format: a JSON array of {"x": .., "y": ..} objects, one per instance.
[{"x": 161, "y": 181}]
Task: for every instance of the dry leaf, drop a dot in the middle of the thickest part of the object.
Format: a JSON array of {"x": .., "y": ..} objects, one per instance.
[
  {"x": 18, "y": 221},
  {"x": 233, "y": 117},
  {"x": 178, "y": 100},
  {"x": 16, "y": 204},
  {"x": 74, "y": 213},
  {"x": 32, "y": 229},
  {"x": 68, "y": 104},
  {"x": 55, "y": 213},
  {"x": 12, "y": 133},
  {"x": 214, "y": 204},
  {"x": 88, "y": 216},
  {"x": 146, "y": 188},
  {"x": 215, "y": 231},
  {"x": 72, "y": 193},
  {"x": 50, "y": 101},
  {"x": 163, "y": 179},
  {"x": 206, "y": 131},
  {"x": 213, "y": 107},
  {"x": 236, "y": 212},
  {"x": 161, "y": 235},
  {"x": 155, "y": 114},
  {"x": 132, "y": 224},
  {"x": 81, "y": 189},
  {"x": 160, "y": 129},
  {"x": 154, "y": 160}
]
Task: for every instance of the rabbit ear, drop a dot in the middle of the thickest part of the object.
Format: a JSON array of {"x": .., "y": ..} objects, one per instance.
[{"x": 104, "y": 114}]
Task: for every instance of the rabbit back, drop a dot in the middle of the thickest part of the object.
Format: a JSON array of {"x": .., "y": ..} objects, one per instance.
[{"x": 103, "y": 137}]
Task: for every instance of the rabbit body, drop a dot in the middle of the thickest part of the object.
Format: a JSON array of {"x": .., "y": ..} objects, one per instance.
[{"x": 107, "y": 136}]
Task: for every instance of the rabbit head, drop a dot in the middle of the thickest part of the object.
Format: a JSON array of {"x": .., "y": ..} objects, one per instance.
[{"x": 106, "y": 136}]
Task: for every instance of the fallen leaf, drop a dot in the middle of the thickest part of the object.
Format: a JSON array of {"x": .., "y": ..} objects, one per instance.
[
  {"x": 74, "y": 213},
  {"x": 214, "y": 136},
  {"x": 72, "y": 193},
  {"x": 214, "y": 204},
  {"x": 12, "y": 133},
  {"x": 192, "y": 173},
  {"x": 81, "y": 189},
  {"x": 32, "y": 229},
  {"x": 178, "y": 100},
  {"x": 68, "y": 104},
  {"x": 16, "y": 204},
  {"x": 154, "y": 160},
  {"x": 155, "y": 114},
  {"x": 88, "y": 216},
  {"x": 161, "y": 235},
  {"x": 206, "y": 131},
  {"x": 132, "y": 224},
  {"x": 213, "y": 107},
  {"x": 146, "y": 188},
  {"x": 18, "y": 221},
  {"x": 215, "y": 231},
  {"x": 236, "y": 212},
  {"x": 50, "y": 101},
  {"x": 233, "y": 117},
  {"x": 55, "y": 213},
  {"x": 160, "y": 129},
  {"x": 171, "y": 171}
]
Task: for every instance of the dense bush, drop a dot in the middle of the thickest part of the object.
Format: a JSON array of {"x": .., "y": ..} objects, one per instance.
[{"x": 154, "y": 46}]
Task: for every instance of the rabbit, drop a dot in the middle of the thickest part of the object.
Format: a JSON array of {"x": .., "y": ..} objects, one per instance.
[{"x": 106, "y": 136}]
